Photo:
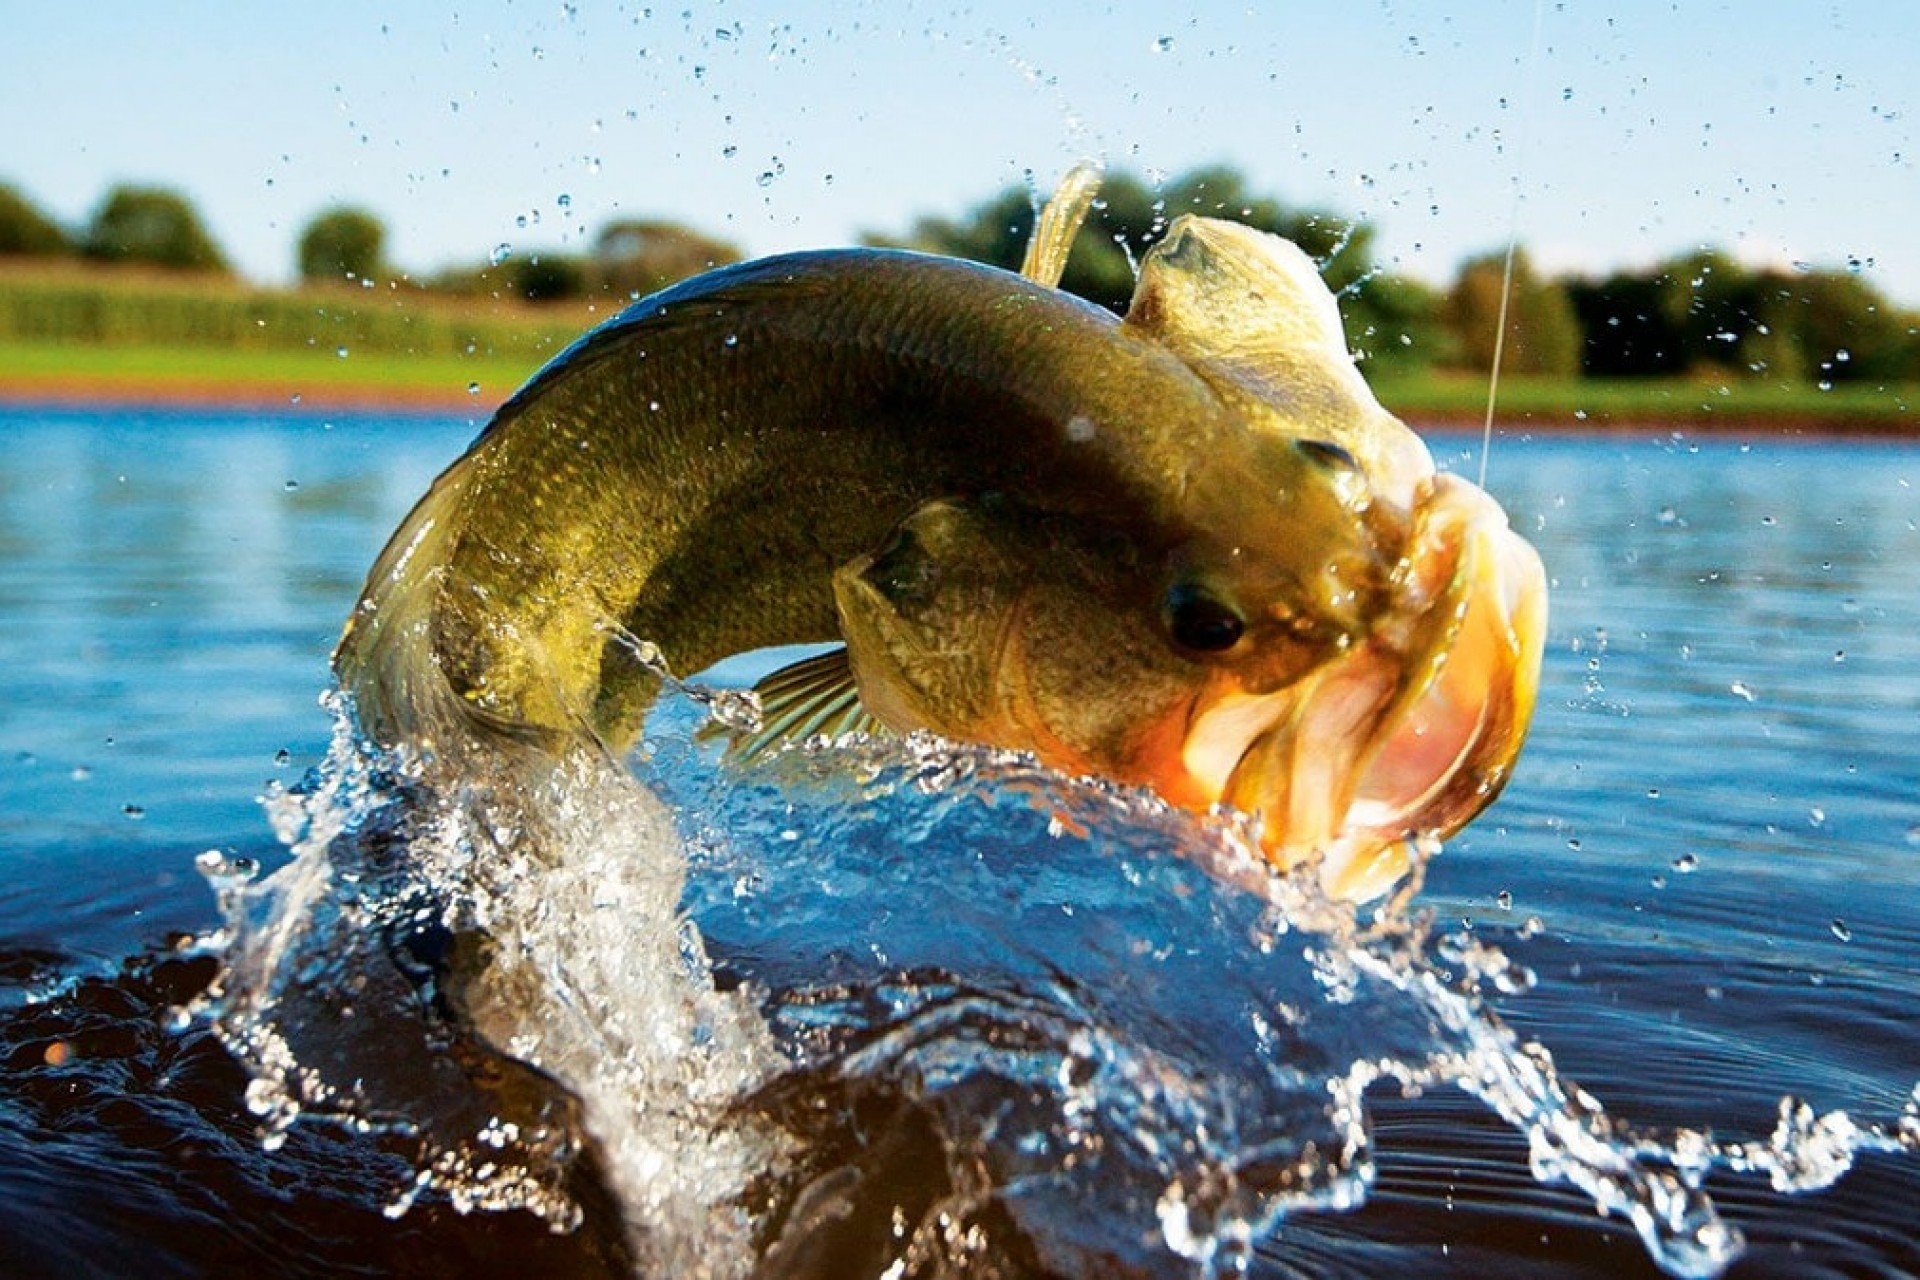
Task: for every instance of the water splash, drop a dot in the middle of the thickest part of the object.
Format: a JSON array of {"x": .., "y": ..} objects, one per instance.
[{"x": 888, "y": 1005}]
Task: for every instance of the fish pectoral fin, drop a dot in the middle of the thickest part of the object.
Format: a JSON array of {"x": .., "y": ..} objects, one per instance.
[{"x": 814, "y": 696}]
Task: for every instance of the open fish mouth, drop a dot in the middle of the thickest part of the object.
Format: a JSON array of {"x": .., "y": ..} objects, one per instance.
[{"x": 1414, "y": 730}]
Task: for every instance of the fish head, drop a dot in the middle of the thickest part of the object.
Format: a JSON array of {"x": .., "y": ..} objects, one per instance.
[
  {"x": 1412, "y": 730},
  {"x": 1316, "y": 628},
  {"x": 1105, "y": 655}
]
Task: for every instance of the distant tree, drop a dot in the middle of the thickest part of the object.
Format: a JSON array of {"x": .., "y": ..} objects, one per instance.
[
  {"x": 636, "y": 256},
  {"x": 1625, "y": 331},
  {"x": 1395, "y": 323},
  {"x": 26, "y": 231},
  {"x": 343, "y": 244},
  {"x": 151, "y": 225},
  {"x": 1543, "y": 335},
  {"x": 1841, "y": 328},
  {"x": 1714, "y": 305},
  {"x": 546, "y": 277}
]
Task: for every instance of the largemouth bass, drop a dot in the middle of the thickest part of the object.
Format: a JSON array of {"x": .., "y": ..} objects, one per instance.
[{"x": 1186, "y": 549}]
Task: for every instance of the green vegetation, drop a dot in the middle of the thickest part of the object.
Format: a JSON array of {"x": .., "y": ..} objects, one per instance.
[
  {"x": 343, "y": 244},
  {"x": 1699, "y": 340},
  {"x": 27, "y": 232},
  {"x": 75, "y": 306},
  {"x": 1679, "y": 402},
  {"x": 146, "y": 367},
  {"x": 151, "y": 225}
]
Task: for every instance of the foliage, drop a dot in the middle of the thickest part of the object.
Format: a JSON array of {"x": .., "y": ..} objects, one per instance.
[
  {"x": 1396, "y": 323},
  {"x": 1543, "y": 332},
  {"x": 635, "y": 257},
  {"x": 1704, "y": 313},
  {"x": 151, "y": 225},
  {"x": 1624, "y": 329},
  {"x": 547, "y": 277},
  {"x": 343, "y": 244},
  {"x": 1700, "y": 315},
  {"x": 27, "y": 232},
  {"x": 1840, "y": 328},
  {"x": 630, "y": 259}
]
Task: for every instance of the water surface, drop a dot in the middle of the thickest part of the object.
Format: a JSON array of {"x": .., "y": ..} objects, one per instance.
[{"x": 1708, "y": 855}]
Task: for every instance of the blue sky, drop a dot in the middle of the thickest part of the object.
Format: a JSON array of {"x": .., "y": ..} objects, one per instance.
[{"x": 1630, "y": 131}]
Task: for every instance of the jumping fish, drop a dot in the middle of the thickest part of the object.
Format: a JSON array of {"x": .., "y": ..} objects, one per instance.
[{"x": 1186, "y": 549}]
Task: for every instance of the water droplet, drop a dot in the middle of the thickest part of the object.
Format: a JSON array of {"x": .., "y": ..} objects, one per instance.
[
  {"x": 81, "y": 773},
  {"x": 564, "y": 200},
  {"x": 1658, "y": 881},
  {"x": 1532, "y": 927},
  {"x": 1686, "y": 864},
  {"x": 283, "y": 757},
  {"x": 1817, "y": 816},
  {"x": 1840, "y": 930},
  {"x": 1913, "y": 835},
  {"x": 291, "y": 485},
  {"x": 1163, "y": 45},
  {"x": 501, "y": 252},
  {"x": 1504, "y": 900},
  {"x": 133, "y": 811},
  {"x": 731, "y": 340},
  {"x": 341, "y": 352},
  {"x": 473, "y": 388},
  {"x": 1741, "y": 690}
]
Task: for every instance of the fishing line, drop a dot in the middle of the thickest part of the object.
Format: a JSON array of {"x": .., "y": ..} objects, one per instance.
[{"x": 1513, "y": 234}]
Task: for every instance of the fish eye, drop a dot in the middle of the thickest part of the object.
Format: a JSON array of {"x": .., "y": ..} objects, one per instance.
[
  {"x": 902, "y": 571},
  {"x": 1202, "y": 622},
  {"x": 1328, "y": 455}
]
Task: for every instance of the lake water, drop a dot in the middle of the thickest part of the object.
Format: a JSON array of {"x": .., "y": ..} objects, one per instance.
[{"x": 1708, "y": 860}]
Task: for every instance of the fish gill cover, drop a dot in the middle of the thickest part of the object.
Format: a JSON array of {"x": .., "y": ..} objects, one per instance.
[{"x": 908, "y": 1006}]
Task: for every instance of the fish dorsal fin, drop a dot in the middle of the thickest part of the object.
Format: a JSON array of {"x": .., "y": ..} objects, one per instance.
[
  {"x": 814, "y": 696},
  {"x": 1059, "y": 223}
]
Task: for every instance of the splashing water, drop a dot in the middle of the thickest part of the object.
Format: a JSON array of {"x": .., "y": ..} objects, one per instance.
[{"x": 896, "y": 1006}]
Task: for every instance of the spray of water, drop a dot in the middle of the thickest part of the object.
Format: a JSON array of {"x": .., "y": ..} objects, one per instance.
[{"x": 1093, "y": 1028}]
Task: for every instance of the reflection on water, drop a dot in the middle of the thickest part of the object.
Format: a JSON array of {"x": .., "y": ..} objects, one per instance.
[{"x": 1706, "y": 858}]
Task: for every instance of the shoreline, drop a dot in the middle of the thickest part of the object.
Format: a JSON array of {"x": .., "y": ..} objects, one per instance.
[
  {"x": 185, "y": 394},
  {"x": 218, "y": 394}
]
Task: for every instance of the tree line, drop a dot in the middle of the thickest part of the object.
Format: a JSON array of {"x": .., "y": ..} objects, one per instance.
[{"x": 1702, "y": 313}]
